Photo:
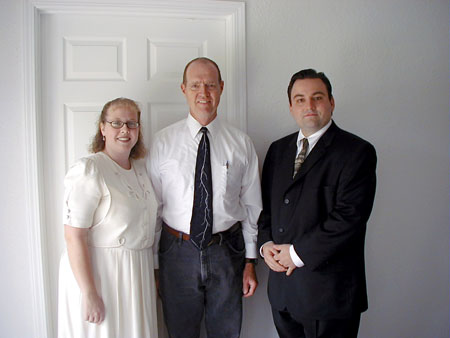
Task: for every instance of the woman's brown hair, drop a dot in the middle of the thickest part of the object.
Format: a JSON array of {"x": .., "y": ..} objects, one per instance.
[{"x": 98, "y": 144}]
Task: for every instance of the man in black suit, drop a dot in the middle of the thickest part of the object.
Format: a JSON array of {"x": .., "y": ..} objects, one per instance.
[{"x": 318, "y": 188}]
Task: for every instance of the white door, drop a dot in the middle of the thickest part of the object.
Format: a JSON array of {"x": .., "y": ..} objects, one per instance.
[{"x": 89, "y": 59}]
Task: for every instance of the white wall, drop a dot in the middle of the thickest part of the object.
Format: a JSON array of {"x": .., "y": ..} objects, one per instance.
[
  {"x": 388, "y": 63},
  {"x": 16, "y": 318}
]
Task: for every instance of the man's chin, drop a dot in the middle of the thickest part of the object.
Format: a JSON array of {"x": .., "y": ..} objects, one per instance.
[
  {"x": 205, "y": 112},
  {"x": 205, "y": 109}
]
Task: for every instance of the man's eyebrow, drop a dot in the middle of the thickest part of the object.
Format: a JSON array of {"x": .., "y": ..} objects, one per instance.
[
  {"x": 298, "y": 95},
  {"x": 315, "y": 93}
]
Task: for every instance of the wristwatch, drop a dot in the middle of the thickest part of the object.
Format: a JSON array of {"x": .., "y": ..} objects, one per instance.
[{"x": 251, "y": 260}]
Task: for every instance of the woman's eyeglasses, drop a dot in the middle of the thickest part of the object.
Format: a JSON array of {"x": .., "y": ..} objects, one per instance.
[{"x": 119, "y": 124}]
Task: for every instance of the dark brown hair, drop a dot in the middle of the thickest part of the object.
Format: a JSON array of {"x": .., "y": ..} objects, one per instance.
[
  {"x": 98, "y": 144},
  {"x": 309, "y": 74}
]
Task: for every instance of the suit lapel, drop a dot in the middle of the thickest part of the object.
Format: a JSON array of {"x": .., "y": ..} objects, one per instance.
[{"x": 286, "y": 164}]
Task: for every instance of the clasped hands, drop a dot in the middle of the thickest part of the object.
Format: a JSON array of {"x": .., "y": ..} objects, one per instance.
[{"x": 278, "y": 257}]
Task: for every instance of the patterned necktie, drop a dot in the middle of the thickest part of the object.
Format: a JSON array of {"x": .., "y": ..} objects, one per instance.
[
  {"x": 202, "y": 212},
  {"x": 301, "y": 156}
]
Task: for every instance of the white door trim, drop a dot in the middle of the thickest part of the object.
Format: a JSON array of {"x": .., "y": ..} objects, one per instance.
[{"x": 233, "y": 13}]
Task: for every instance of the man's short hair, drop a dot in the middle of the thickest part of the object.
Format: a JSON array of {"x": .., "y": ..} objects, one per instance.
[
  {"x": 309, "y": 74},
  {"x": 204, "y": 59}
]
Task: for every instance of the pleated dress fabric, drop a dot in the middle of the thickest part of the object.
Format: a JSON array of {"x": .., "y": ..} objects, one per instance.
[{"x": 119, "y": 208}]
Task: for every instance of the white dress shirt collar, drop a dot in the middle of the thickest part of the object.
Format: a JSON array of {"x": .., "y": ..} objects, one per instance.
[
  {"x": 312, "y": 139},
  {"x": 195, "y": 126}
]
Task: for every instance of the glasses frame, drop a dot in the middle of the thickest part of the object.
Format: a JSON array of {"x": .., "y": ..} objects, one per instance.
[{"x": 123, "y": 123}]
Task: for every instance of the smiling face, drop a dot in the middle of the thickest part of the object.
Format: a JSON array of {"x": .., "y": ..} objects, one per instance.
[
  {"x": 202, "y": 91},
  {"x": 119, "y": 142},
  {"x": 310, "y": 105}
]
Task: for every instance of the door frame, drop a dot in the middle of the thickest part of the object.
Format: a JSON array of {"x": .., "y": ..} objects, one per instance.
[{"x": 233, "y": 14}]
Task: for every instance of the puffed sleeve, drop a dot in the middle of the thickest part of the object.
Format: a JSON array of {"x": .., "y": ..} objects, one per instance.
[{"x": 82, "y": 193}]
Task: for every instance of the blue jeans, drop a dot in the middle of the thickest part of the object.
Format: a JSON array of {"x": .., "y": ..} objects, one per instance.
[{"x": 209, "y": 282}]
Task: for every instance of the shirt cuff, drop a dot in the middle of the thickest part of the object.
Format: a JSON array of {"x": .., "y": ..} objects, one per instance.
[
  {"x": 297, "y": 261},
  {"x": 250, "y": 250},
  {"x": 260, "y": 249}
]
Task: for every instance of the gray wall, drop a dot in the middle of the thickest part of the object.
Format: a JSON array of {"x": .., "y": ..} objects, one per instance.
[{"x": 389, "y": 64}]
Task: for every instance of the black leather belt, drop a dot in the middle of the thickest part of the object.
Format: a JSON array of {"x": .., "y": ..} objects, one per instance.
[{"x": 217, "y": 238}]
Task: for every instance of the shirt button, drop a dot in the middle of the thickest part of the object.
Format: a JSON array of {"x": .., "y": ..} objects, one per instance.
[
  {"x": 280, "y": 230},
  {"x": 121, "y": 241},
  {"x": 286, "y": 201}
]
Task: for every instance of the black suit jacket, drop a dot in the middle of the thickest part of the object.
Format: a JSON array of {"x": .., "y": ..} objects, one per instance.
[{"x": 323, "y": 212}]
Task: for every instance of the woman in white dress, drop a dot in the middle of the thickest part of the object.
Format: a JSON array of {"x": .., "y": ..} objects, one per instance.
[{"x": 106, "y": 279}]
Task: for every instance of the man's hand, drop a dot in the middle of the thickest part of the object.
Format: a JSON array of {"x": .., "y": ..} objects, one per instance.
[
  {"x": 269, "y": 251},
  {"x": 283, "y": 257},
  {"x": 249, "y": 282}
]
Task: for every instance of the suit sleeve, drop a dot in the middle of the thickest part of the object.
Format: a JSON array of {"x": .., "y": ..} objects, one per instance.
[
  {"x": 264, "y": 221},
  {"x": 345, "y": 225}
]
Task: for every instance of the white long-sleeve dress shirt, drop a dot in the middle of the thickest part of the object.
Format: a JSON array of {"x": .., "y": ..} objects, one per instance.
[{"x": 235, "y": 177}]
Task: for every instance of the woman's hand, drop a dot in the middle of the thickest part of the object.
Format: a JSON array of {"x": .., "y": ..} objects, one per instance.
[{"x": 93, "y": 308}]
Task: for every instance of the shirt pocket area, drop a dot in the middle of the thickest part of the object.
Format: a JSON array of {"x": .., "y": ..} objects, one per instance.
[{"x": 234, "y": 172}]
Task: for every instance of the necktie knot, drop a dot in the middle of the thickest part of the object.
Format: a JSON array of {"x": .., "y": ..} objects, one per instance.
[{"x": 304, "y": 143}]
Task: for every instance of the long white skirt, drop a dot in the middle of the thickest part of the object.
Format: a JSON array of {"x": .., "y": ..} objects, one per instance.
[{"x": 125, "y": 280}]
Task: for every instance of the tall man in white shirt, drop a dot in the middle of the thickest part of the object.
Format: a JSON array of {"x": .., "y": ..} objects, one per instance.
[
  {"x": 318, "y": 187},
  {"x": 207, "y": 277}
]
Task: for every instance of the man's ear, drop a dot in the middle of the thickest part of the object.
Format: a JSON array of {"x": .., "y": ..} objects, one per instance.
[
  {"x": 183, "y": 88},
  {"x": 290, "y": 105}
]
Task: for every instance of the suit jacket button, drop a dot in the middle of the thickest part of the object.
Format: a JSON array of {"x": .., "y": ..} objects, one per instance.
[
  {"x": 280, "y": 230},
  {"x": 286, "y": 201}
]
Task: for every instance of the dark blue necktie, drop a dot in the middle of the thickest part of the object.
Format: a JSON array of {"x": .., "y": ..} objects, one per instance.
[{"x": 202, "y": 213}]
